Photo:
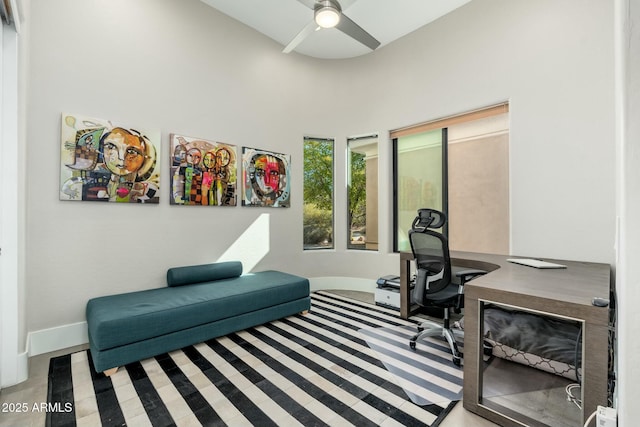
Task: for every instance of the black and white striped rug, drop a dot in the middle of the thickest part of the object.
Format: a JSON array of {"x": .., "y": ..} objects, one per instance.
[
  {"x": 427, "y": 374},
  {"x": 311, "y": 370}
]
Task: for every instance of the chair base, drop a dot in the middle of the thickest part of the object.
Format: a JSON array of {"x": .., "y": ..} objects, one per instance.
[{"x": 433, "y": 329}]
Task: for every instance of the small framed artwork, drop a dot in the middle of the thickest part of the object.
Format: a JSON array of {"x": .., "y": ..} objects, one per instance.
[
  {"x": 202, "y": 172},
  {"x": 266, "y": 178},
  {"x": 106, "y": 162}
]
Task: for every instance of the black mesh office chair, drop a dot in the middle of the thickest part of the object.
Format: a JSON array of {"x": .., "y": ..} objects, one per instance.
[{"x": 435, "y": 284}]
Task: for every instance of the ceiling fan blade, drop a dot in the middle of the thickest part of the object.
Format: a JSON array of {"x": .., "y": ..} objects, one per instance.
[
  {"x": 353, "y": 30},
  {"x": 309, "y": 3},
  {"x": 308, "y": 29}
]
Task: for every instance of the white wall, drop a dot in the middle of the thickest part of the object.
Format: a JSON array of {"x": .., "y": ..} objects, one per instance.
[
  {"x": 182, "y": 67},
  {"x": 628, "y": 174}
]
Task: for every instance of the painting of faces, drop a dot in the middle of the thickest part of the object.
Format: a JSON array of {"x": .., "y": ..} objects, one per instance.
[
  {"x": 202, "y": 172},
  {"x": 266, "y": 178},
  {"x": 104, "y": 162}
]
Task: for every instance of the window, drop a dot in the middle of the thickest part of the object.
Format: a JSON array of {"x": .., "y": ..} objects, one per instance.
[
  {"x": 419, "y": 174},
  {"x": 318, "y": 193},
  {"x": 459, "y": 165},
  {"x": 362, "y": 192}
]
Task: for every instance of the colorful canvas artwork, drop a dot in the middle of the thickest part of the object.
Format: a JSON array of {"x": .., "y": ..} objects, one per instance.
[
  {"x": 104, "y": 162},
  {"x": 266, "y": 178},
  {"x": 202, "y": 172}
]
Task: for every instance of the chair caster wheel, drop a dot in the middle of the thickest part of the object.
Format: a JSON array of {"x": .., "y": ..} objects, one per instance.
[
  {"x": 487, "y": 349},
  {"x": 456, "y": 361},
  {"x": 412, "y": 344}
]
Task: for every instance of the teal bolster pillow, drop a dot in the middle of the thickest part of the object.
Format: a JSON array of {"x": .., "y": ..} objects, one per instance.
[{"x": 178, "y": 276}]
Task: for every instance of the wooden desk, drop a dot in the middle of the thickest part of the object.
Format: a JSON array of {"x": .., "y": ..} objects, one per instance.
[{"x": 564, "y": 293}]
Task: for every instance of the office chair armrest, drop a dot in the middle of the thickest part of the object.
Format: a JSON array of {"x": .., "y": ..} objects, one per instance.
[
  {"x": 470, "y": 274},
  {"x": 465, "y": 276}
]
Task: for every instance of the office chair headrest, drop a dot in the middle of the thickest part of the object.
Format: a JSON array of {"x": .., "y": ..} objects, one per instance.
[{"x": 428, "y": 218}]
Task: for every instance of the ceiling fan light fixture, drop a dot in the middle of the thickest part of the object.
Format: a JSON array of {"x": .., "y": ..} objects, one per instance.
[{"x": 327, "y": 14}]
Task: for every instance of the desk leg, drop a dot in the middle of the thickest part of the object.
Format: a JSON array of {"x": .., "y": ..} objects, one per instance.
[
  {"x": 405, "y": 302},
  {"x": 472, "y": 378},
  {"x": 594, "y": 368}
]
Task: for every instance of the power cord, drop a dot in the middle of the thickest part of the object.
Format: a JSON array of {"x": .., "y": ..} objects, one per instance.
[
  {"x": 593, "y": 414},
  {"x": 578, "y": 355},
  {"x": 577, "y": 366},
  {"x": 570, "y": 396}
]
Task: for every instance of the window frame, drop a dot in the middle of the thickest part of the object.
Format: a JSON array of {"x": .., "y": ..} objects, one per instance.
[
  {"x": 444, "y": 189},
  {"x": 348, "y": 152}
]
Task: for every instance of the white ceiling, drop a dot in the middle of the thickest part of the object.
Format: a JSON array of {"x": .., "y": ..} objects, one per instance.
[{"x": 386, "y": 20}]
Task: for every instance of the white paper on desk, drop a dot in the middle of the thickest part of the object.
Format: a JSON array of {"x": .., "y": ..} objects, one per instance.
[{"x": 530, "y": 262}]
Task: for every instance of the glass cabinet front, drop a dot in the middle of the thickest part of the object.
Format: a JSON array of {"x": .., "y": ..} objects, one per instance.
[{"x": 531, "y": 369}]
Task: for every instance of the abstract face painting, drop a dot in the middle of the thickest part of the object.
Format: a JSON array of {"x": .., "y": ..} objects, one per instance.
[
  {"x": 202, "y": 172},
  {"x": 103, "y": 162},
  {"x": 124, "y": 153},
  {"x": 266, "y": 178}
]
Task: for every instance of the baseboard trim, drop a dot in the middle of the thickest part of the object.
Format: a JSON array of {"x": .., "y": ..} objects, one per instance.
[
  {"x": 17, "y": 371},
  {"x": 23, "y": 367},
  {"x": 346, "y": 283},
  {"x": 58, "y": 338}
]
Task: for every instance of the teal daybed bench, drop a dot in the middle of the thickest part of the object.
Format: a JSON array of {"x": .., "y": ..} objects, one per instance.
[{"x": 201, "y": 302}]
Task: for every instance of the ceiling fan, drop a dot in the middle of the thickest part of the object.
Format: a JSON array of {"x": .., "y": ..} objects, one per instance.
[{"x": 328, "y": 14}]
